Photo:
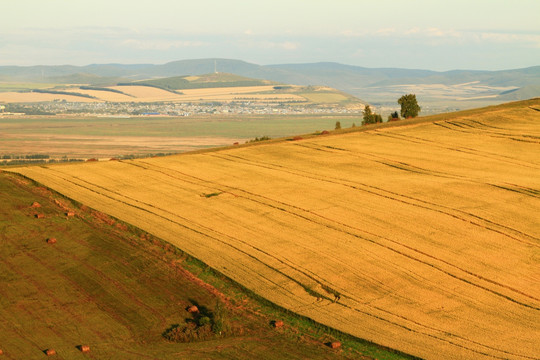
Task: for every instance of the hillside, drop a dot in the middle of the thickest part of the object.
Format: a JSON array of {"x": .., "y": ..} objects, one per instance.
[
  {"x": 213, "y": 80},
  {"x": 525, "y": 92},
  {"x": 117, "y": 290},
  {"x": 421, "y": 236},
  {"x": 205, "y": 88},
  {"x": 375, "y": 85}
]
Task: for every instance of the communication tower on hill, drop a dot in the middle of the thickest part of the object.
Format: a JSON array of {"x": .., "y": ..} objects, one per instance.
[{"x": 215, "y": 66}]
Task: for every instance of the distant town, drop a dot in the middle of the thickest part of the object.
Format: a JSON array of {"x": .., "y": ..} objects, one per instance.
[{"x": 170, "y": 109}]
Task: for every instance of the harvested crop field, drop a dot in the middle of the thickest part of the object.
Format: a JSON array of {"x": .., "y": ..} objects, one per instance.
[
  {"x": 31, "y": 97},
  {"x": 423, "y": 238}
]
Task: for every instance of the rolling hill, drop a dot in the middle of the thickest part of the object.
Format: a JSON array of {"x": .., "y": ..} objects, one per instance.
[
  {"x": 421, "y": 236},
  {"x": 204, "y": 88},
  {"x": 371, "y": 84},
  {"x": 204, "y": 81}
]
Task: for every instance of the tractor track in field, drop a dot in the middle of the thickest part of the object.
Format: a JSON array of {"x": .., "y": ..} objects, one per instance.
[
  {"x": 183, "y": 225},
  {"x": 454, "y": 126},
  {"x": 429, "y": 172},
  {"x": 228, "y": 189},
  {"x": 418, "y": 251},
  {"x": 393, "y": 196},
  {"x": 251, "y": 196},
  {"x": 296, "y": 269},
  {"x": 403, "y": 166},
  {"x": 466, "y": 150}
]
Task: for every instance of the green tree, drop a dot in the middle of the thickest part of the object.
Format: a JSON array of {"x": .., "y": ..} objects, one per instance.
[
  {"x": 338, "y": 125},
  {"x": 370, "y": 117},
  {"x": 409, "y": 106},
  {"x": 367, "y": 115}
]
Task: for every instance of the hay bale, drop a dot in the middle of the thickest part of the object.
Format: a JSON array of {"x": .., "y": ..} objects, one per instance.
[
  {"x": 278, "y": 324},
  {"x": 70, "y": 214},
  {"x": 84, "y": 348},
  {"x": 35, "y": 204},
  {"x": 50, "y": 352},
  {"x": 51, "y": 241},
  {"x": 39, "y": 216},
  {"x": 1, "y": 352},
  {"x": 192, "y": 309},
  {"x": 236, "y": 143},
  {"x": 334, "y": 344},
  {"x": 325, "y": 132},
  {"x": 297, "y": 138}
]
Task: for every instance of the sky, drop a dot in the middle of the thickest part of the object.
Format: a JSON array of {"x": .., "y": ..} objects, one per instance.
[{"x": 415, "y": 34}]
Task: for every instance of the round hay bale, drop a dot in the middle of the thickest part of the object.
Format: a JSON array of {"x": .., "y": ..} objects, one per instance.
[
  {"x": 35, "y": 204},
  {"x": 278, "y": 324},
  {"x": 325, "y": 132},
  {"x": 50, "y": 352},
  {"x": 297, "y": 138},
  {"x": 39, "y": 216},
  {"x": 334, "y": 344},
  {"x": 70, "y": 214},
  {"x": 192, "y": 309},
  {"x": 84, "y": 348},
  {"x": 236, "y": 143},
  {"x": 1, "y": 352},
  {"x": 51, "y": 241}
]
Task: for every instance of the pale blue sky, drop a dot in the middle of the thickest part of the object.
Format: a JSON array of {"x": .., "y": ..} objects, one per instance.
[{"x": 437, "y": 35}]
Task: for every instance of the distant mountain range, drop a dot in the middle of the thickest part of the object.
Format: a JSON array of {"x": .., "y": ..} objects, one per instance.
[{"x": 371, "y": 84}]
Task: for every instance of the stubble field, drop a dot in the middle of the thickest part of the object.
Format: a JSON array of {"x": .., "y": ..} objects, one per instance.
[{"x": 424, "y": 238}]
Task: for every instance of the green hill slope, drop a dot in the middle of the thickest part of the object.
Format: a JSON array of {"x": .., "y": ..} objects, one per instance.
[{"x": 201, "y": 81}]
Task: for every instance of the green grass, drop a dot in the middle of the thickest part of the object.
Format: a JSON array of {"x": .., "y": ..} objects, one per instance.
[
  {"x": 201, "y": 82},
  {"x": 238, "y": 128},
  {"x": 117, "y": 289}
]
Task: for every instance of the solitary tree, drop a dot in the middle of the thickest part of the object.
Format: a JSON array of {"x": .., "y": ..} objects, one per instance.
[
  {"x": 409, "y": 106},
  {"x": 338, "y": 125},
  {"x": 367, "y": 115}
]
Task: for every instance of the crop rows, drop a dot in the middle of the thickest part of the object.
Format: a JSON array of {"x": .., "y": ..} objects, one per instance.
[{"x": 421, "y": 238}]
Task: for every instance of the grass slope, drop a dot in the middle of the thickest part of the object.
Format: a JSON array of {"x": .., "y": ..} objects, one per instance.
[
  {"x": 201, "y": 82},
  {"x": 117, "y": 289},
  {"x": 421, "y": 237}
]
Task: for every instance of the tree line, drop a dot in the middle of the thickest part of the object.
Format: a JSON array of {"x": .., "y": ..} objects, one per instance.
[{"x": 409, "y": 109}]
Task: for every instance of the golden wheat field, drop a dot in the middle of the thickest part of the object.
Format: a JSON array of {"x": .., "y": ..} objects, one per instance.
[
  {"x": 18, "y": 97},
  {"x": 151, "y": 94},
  {"x": 424, "y": 238}
]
